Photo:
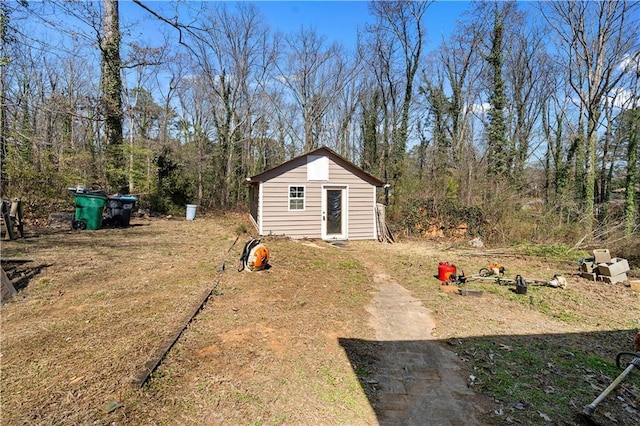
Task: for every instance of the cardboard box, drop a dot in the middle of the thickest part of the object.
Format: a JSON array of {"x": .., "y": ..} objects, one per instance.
[
  {"x": 635, "y": 285},
  {"x": 617, "y": 266},
  {"x": 615, "y": 279},
  {"x": 601, "y": 255},
  {"x": 587, "y": 266},
  {"x": 591, "y": 276}
]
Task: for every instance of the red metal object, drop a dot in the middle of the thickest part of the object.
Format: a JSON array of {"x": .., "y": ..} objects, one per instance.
[{"x": 445, "y": 270}]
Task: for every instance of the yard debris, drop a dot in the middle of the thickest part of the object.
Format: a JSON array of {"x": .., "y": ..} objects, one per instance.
[
  {"x": 11, "y": 218},
  {"x": 60, "y": 220},
  {"x": 519, "y": 406},
  {"x": 384, "y": 233},
  {"x": 75, "y": 380},
  {"x": 448, "y": 275},
  {"x": 472, "y": 380},
  {"x": 112, "y": 406},
  {"x": 603, "y": 267},
  {"x": 544, "y": 416},
  {"x": 476, "y": 243}
]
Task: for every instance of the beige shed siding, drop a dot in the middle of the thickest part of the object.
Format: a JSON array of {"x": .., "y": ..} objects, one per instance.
[
  {"x": 361, "y": 213},
  {"x": 278, "y": 220},
  {"x": 360, "y": 202}
]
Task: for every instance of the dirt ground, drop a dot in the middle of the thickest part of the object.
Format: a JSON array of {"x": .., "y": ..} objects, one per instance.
[{"x": 290, "y": 345}]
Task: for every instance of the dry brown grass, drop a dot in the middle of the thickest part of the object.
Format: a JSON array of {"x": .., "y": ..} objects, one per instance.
[{"x": 264, "y": 350}]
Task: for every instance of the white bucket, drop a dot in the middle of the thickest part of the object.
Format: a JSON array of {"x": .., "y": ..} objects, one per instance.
[{"x": 191, "y": 211}]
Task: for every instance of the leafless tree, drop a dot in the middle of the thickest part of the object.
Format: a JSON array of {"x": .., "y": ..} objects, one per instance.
[
  {"x": 594, "y": 37},
  {"x": 399, "y": 30},
  {"x": 234, "y": 56},
  {"x": 314, "y": 75},
  {"x": 450, "y": 85},
  {"x": 529, "y": 79}
]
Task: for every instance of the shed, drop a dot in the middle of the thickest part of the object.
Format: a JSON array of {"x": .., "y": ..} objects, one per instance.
[{"x": 316, "y": 195}]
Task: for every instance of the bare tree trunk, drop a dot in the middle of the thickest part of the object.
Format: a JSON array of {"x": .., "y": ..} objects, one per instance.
[
  {"x": 401, "y": 22},
  {"x": 4, "y": 17},
  {"x": 630, "y": 209}
]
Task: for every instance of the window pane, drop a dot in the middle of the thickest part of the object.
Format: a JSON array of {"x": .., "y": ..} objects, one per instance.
[{"x": 296, "y": 198}]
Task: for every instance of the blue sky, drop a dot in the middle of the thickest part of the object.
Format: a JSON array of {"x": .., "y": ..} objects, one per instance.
[
  {"x": 340, "y": 20},
  {"x": 336, "y": 20}
]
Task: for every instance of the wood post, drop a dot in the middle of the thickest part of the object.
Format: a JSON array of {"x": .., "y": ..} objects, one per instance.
[
  {"x": 150, "y": 366},
  {"x": 384, "y": 233},
  {"x": 12, "y": 217},
  {"x": 8, "y": 290}
]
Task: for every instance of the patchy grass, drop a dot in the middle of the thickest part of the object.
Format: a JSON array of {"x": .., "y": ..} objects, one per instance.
[
  {"x": 542, "y": 356},
  {"x": 74, "y": 337},
  {"x": 556, "y": 251},
  {"x": 540, "y": 377},
  {"x": 266, "y": 350}
]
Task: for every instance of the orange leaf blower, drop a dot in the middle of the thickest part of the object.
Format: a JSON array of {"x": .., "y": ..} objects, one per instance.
[{"x": 255, "y": 256}]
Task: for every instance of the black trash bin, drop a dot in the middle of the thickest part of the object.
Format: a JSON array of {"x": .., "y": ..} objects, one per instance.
[{"x": 119, "y": 209}]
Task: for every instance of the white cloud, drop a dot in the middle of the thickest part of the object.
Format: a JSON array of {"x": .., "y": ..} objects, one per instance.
[
  {"x": 622, "y": 98},
  {"x": 630, "y": 63},
  {"x": 482, "y": 108}
]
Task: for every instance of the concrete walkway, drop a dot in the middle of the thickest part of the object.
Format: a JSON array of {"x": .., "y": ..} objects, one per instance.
[{"x": 418, "y": 382}]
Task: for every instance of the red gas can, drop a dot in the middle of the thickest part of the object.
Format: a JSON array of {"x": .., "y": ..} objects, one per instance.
[{"x": 445, "y": 270}]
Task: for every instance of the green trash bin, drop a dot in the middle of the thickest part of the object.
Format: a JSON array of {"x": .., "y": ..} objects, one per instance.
[{"x": 89, "y": 208}]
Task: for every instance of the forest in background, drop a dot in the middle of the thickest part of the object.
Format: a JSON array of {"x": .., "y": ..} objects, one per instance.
[{"x": 522, "y": 125}]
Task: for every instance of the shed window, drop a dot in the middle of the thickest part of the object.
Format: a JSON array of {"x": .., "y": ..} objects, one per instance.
[{"x": 296, "y": 198}]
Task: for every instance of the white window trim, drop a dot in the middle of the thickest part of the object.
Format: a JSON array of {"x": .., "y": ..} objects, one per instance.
[
  {"x": 260, "y": 209},
  {"x": 304, "y": 198},
  {"x": 375, "y": 215}
]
